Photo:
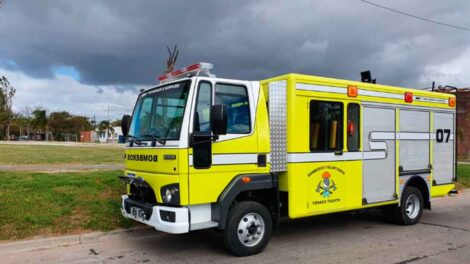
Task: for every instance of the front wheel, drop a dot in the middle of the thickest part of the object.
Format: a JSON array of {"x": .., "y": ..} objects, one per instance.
[
  {"x": 248, "y": 229},
  {"x": 411, "y": 207}
]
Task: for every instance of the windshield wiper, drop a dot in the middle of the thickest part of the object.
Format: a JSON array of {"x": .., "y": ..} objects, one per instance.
[
  {"x": 133, "y": 139},
  {"x": 155, "y": 138}
]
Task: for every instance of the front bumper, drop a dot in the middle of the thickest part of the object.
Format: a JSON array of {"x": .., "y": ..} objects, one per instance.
[{"x": 173, "y": 220}]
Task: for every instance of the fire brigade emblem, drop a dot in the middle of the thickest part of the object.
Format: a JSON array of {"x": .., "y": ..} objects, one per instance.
[{"x": 326, "y": 186}]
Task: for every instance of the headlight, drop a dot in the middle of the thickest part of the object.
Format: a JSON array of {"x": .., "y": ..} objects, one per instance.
[
  {"x": 167, "y": 197},
  {"x": 171, "y": 194}
]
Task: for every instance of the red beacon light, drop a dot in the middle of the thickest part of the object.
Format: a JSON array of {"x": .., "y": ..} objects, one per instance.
[
  {"x": 193, "y": 70},
  {"x": 409, "y": 97}
]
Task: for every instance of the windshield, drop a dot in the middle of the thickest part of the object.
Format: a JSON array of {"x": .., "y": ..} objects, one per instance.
[{"x": 159, "y": 112}]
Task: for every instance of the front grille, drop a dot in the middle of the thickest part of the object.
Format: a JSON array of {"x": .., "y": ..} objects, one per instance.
[
  {"x": 144, "y": 194},
  {"x": 141, "y": 196}
]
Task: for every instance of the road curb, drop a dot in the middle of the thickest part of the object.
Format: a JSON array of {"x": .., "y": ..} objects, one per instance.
[{"x": 71, "y": 240}]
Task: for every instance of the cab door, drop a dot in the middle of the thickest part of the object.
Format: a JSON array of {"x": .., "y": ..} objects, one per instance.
[{"x": 215, "y": 161}]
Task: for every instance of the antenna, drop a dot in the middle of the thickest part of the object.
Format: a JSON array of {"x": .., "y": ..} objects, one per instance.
[{"x": 171, "y": 61}]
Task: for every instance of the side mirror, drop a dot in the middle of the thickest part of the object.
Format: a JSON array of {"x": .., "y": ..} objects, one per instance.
[
  {"x": 219, "y": 120},
  {"x": 125, "y": 124}
]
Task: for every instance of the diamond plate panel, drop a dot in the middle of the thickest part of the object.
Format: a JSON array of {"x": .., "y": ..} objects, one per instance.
[{"x": 278, "y": 125}]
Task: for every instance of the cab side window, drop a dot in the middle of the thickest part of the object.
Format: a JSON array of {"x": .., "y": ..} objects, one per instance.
[
  {"x": 235, "y": 99},
  {"x": 326, "y": 126},
  {"x": 203, "y": 108},
  {"x": 353, "y": 126}
]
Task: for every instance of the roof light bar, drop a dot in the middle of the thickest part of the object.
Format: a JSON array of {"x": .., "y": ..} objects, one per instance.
[{"x": 193, "y": 69}]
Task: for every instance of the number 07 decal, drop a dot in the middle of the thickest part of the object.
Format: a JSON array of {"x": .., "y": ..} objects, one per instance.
[{"x": 440, "y": 135}]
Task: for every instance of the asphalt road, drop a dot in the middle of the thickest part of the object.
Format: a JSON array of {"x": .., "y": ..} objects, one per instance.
[{"x": 442, "y": 236}]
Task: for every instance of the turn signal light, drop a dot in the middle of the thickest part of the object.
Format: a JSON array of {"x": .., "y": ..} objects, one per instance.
[
  {"x": 452, "y": 102},
  {"x": 246, "y": 179},
  {"x": 352, "y": 91},
  {"x": 408, "y": 97}
]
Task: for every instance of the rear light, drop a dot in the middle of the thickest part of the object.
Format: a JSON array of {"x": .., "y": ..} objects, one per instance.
[
  {"x": 408, "y": 97},
  {"x": 193, "y": 68},
  {"x": 350, "y": 128},
  {"x": 352, "y": 91},
  {"x": 452, "y": 102}
]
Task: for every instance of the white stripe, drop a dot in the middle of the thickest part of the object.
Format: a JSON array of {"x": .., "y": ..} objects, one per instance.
[
  {"x": 371, "y": 155},
  {"x": 230, "y": 159},
  {"x": 320, "y": 88},
  {"x": 377, "y": 145},
  {"x": 312, "y": 157},
  {"x": 430, "y": 99},
  {"x": 219, "y": 159},
  {"x": 361, "y": 91},
  {"x": 382, "y": 135},
  {"x": 413, "y": 107},
  {"x": 317, "y": 157},
  {"x": 380, "y": 94},
  {"x": 413, "y": 136}
]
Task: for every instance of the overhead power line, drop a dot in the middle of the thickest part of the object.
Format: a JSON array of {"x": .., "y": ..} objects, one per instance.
[{"x": 415, "y": 16}]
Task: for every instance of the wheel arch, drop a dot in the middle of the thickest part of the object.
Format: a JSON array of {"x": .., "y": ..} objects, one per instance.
[
  {"x": 419, "y": 183},
  {"x": 262, "y": 188}
]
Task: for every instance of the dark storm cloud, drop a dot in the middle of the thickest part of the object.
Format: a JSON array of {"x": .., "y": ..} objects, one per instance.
[{"x": 124, "y": 42}]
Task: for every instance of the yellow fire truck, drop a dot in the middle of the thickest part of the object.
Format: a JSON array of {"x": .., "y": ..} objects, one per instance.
[{"x": 206, "y": 152}]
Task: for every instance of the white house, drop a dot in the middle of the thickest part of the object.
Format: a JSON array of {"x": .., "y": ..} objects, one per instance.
[{"x": 109, "y": 136}]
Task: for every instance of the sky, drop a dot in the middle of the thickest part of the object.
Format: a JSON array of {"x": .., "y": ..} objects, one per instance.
[{"x": 89, "y": 56}]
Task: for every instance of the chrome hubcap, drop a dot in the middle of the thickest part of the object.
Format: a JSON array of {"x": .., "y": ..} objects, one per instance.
[
  {"x": 251, "y": 229},
  {"x": 412, "y": 206}
]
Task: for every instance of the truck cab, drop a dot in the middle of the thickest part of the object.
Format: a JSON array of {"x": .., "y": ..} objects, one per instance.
[{"x": 189, "y": 140}]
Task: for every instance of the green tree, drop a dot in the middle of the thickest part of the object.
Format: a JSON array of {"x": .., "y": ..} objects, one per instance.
[
  {"x": 65, "y": 126},
  {"x": 116, "y": 123},
  {"x": 7, "y": 92},
  {"x": 58, "y": 124},
  {"x": 39, "y": 121}
]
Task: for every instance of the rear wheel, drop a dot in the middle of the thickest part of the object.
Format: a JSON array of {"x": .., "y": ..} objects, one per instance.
[
  {"x": 248, "y": 229},
  {"x": 411, "y": 207}
]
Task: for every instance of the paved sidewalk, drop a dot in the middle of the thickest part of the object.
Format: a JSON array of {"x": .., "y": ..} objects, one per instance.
[
  {"x": 61, "y": 167},
  {"x": 72, "y": 240}
]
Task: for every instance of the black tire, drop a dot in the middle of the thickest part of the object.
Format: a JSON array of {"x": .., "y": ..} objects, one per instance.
[
  {"x": 403, "y": 215},
  {"x": 249, "y": 213}
]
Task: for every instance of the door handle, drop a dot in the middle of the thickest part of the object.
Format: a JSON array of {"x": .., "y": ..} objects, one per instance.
[{"x": 339, "y": 152}]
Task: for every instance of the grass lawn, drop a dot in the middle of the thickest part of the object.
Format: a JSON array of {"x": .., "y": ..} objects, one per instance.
[
  {"x": 34, "y": 204},
  {"x": 40, "y": 154},
  {"x": 463, "y": 173}
]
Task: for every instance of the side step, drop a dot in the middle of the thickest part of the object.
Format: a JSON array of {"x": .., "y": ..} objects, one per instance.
[{"x": 203, "y": 225}]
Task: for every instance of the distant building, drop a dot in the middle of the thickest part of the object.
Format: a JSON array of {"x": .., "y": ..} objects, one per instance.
[
  {"x": 110, "y": 136},
  {"x": 89, "y": 136}
]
